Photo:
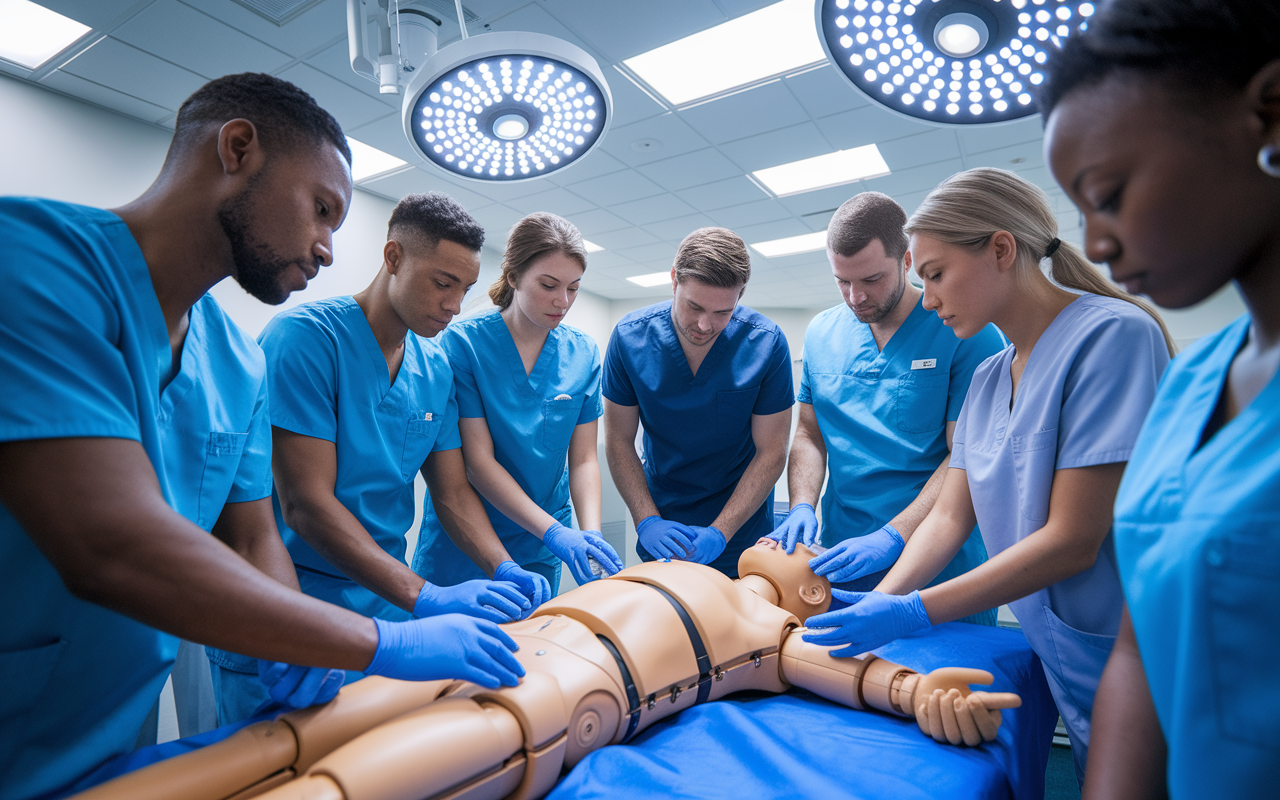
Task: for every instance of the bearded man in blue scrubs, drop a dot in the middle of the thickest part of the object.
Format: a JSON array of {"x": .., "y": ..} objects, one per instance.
[
  {"x": 881, "y": 390},
  {"x": 100, "y": 571},
  {"x": 711, "y": 382}
]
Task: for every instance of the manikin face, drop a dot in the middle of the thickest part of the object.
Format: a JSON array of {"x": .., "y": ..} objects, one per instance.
[
  {"x": 428, "y": 284},
  {"x": 545, "y": 291},
  {"x": 280, "y": 226},
  {"x": 1172, "y": 198},
  {"x": 799, "y": 590},
  {"x": 871, "y": 283},
  {"x": 961, "y": 285},
  {"x": 699, "y": 311}
]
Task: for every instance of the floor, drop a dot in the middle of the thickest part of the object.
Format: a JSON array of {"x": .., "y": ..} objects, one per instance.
[{"x": 1060, "y": 775}]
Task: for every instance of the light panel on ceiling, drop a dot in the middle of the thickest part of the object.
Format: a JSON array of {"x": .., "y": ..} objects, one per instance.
[
  {"x": 651, "y": 279},
  {"x": 32, "y": 34},
  {"x": 592, "y": 247},
  {"x": 804, "y": 243},
  {"x": 368, "y": 161},
  {"x": 823, "y": 172},
  {"x": 773, "y": 41}
]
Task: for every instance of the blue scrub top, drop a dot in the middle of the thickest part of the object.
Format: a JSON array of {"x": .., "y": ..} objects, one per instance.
[
  {"x": 1084, "y": 392},
  {"x": 328, "y": 379},
  {"x": 531, "y": 419},
  {"x": 883, "y": 415},
  {"x": 82, "y": 346},
  {"x": 1199, "y": 555},
  {"x": 697, "y": 428}
]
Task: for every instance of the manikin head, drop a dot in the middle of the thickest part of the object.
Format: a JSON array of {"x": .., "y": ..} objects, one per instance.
[
  {"x": 432, "y": 257},
  {"x": 1163, "y": 127},
  {"x": 541, "y": 269},
  {"x": 708, "y": 278},
  {"x": 799, "y": 591},
  {"x": 866, "y": 246},
  {"x": 284, "y": 177}
]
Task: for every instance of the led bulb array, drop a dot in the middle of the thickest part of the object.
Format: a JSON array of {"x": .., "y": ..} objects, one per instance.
[
  {"x": 887, "y": 50},
  {"x": 455, "y": 118}
]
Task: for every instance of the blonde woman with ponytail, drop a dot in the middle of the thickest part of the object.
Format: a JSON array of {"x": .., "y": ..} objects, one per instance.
[
  {"x": 528, "y": 404},
  {"x": 1040, "y": 445}
]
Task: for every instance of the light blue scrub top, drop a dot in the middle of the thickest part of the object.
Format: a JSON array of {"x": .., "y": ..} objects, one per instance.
[
  {"x": 1197, "y": 537},
  {"x": 531, "y": 419},
  {"x": 883, "y": 415},
  {"x": 328, "y": 379},
  {"x": 697, "y": 428},
  {"x": 82, "y": 346},
  {"x": 1084, "y": 392}
]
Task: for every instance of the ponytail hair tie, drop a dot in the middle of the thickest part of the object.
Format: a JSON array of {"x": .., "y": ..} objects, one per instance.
[{"x": 1053, "y": 247}]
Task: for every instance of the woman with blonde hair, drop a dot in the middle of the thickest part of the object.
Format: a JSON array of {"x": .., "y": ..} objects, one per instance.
[
  {"x": 1040, "y": 445},
  {"x": 528, "y": 401}
]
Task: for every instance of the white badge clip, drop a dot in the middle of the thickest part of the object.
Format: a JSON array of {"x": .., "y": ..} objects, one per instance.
[
  {"x": 427, "y": 417},
  {"x": 924, "y": 363},
  {"x": 563, "y": 397}
]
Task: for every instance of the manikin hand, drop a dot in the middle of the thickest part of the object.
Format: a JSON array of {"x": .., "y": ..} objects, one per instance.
[
  {"x": 448, "y": 646},
  {"x": 296, "y": 687},
  {"x": 859, "y": 556},
  {"x": 871, "y": 619},
  {"x": 708, "y": 543},
  {"x": 532, "y": 585},
  {"x": 950, "y": 713},
  {"x": 664, "y": 538},
  {"x": 496, "y": 601},
  {"x": 578, "y": 548},
  {"x": 800, "y": 526}
]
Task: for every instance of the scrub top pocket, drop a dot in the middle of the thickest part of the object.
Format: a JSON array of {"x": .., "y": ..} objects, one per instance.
[
  {"x": 922, "y": 401},
  {"x": 1035, "y": 457},
  {"x": 559, "y": 418},
  {"x": 1242, "y": 575},
  {"x": 221, "y": 461},
  {"x": 733, "y": 411},
  {"x": 419, "y": 437}
]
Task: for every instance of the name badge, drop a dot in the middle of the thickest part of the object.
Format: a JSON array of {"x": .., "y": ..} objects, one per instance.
[
  {"x": 562, "y": 397},
  {"x": 924, "y": 363},
  {"x": 427, "y": 417}
]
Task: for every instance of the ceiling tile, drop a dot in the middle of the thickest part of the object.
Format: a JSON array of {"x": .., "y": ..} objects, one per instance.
[
  {"x": 535, "y": 19},
  {"x": 417, "y": 181},
  {"x": 184, "y": 36},
  {"x": 592, "y": 165},
  {"x": 623, "y": 238},
  {"x": 922, "y": 148},
  {"x": 1027, "y": 155},
  {"x": 94, "y": 13},
  {"x": 669, "y": 129},
  {"x": 661, "y": 252},
  {"x": 621, "y": 30},
  {"x": 777, "y": 147},
  {"x": 915, "y": 179},
  {"x": 386, "y": 134},
  {"x": 497, "y": 219},
  {"x": 824, "y": 92},
  {"x": 674, "y": 230},
  {"x": 300, "y": 36},
  {"x": 690, "y": 169},
  {"x": 351, "y": 107},
  {"x": 556, "y": 200},
  {"x": 767, "y": 231},
  {"x": 652, "y": 209},
  {"x": 822, "y": 202},
  {"x": 102, "y": 96},
  {"x": 979, "y": 138},
  {"x": 597, "y": 221},
  {"x": 729, "y": 192},
  {"x": 607, "y": 260},
  {"x": 114, "y": 64},
  {"x": 734, "y": 217},
  {"x": 870, "y": 124},
  {"x": 335, "y": 61},
  {"x": 619, "y": 187},
  {"x": 737, "y": 116},
  {"x": 630, "y": 102}
]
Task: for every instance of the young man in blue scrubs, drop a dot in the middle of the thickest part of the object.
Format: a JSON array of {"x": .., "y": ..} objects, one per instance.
[
  {"x": 98, "y": 571},
  {"x": 361, "y": 402},
  {"x": 711, "y": 382},
  {"x": 882, "y": 387}
]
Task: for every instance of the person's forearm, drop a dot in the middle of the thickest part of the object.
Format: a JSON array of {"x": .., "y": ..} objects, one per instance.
[
  {"x": 460, "y": 511},
  {"x": 806, "y": 469},
  {"x": 935, "y": 542},
  {"x": 496, "y": 485},
  {"x": 753, "y": 487},
  {"x": 249, "y": 528},
  {"x": 628, "y": 477},
  {"x": 906, "y": 522},
  {"x": 584, "y": 490},
  {"x": 1127, "y": 751}
]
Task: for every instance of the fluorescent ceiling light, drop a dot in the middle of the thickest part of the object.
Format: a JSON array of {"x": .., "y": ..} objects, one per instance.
[
  {"x": 368, "y": 161},
  {"x": 592, "y": 247},
  {"x": 804, "y": 243},
  {"x": 32, "y": 34},
  {"x": 652, "y": 279},
  {"x": 822, "y": 172},
  {"x": 772, "y": 41}
]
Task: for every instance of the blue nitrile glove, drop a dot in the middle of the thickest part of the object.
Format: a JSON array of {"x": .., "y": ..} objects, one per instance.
[
  {"x": 861, "y": 555},
  {"x": 664, "y": 538},
  {"x": 708, "y": 543},
  {"x": 872, "y": 619},
  {"x": 532, "y": 585},
  {"x": 293, "y": 686},
  {"x": 574, "y": 547},
  {"x": 496, "y": 601},
  {"x": 450, "y": 646},
  {"x": 800, "y": 526}
]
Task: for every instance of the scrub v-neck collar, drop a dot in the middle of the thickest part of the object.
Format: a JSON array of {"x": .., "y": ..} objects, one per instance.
[
  {"x": 1005, "y": 386},
  {"x": 671, "y": 339},
  {"x": 529, "y": 383},
  {"x": 184, "y": 379},
  {"x": 374, "y": 350},
  {"x": 895, "y": 343}
]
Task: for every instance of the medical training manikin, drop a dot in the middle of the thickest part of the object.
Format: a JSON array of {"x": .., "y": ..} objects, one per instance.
[{"x": 602, "y": 662}]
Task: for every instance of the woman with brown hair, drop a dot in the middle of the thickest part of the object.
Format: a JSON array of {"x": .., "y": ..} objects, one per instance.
[{"x": 528, "y": 393}]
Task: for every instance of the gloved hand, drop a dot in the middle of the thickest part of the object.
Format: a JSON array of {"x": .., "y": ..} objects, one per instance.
[
  {"x": 861, "y": 555},
  {"x": 800, "y": 526},
  {"x": 664, "y": 538},
  {"x": 295, "y": 687},
  {"x": 708, "y": 543},
  {"x": 872, "y": 619},
  {"x": 532, "y": 585},
  {"x": 496, "y": 601},
  {"x": 450, "y": 646},
  {"x": 573, "y": 547}
]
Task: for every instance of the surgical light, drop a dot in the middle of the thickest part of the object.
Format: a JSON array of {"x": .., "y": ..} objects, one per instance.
[{"x": 948, "y": 61}]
